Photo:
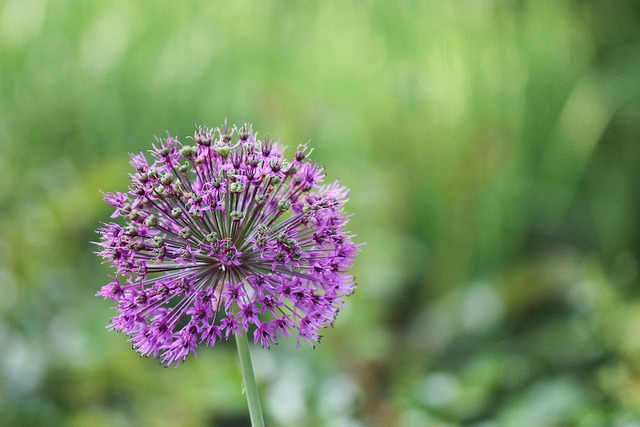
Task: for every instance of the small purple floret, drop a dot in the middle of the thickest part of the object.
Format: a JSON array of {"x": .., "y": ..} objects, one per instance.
[{"x": 225, "y": 237}]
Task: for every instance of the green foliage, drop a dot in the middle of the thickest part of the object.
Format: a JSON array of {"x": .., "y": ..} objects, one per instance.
[{"x": 492, "y": 152}]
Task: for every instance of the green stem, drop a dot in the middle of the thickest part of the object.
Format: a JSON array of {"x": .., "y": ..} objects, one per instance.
[{"x": 250, "y": 385}]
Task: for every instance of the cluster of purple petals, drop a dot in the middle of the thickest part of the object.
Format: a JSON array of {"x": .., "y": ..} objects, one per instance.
[{"x": 225, "y": 236}]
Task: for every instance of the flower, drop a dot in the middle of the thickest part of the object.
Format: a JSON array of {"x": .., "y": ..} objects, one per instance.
[{"x": 225, "y": 237}]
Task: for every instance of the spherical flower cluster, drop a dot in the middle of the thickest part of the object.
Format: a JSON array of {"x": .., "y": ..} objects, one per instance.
[{"x": 221, "y": 237}]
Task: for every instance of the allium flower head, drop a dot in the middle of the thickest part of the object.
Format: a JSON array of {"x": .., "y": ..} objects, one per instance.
[{"x": 225, "y": 236}]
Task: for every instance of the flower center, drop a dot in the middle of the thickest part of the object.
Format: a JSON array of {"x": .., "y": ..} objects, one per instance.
[{"x": 226, "y": 253}]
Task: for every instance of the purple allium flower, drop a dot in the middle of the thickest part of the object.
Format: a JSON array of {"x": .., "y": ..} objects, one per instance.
[{"x": 225, "y": 237}]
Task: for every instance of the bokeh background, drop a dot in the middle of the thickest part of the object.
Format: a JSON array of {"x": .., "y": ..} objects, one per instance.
[{"x": 493, "y": 152}]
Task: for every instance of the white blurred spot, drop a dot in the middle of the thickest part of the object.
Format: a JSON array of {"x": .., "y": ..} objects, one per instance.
[
  {"x": 264, "y": 364},
  {"x": 185, "y": 58},
  {"x": 23, "y": 365},
  {"x": 545, "y": 403},
  {"x": 582, "y": 295},
  {"x": 104, "y": 44},
  {"x": 67, "y": 340},
  {"x": 286, "y": 396},
  {"x": 337, "y": 395},
  {"x": 481, "y": 307},
  {"x": 433, "y": 330},
  {"x": 21, "y": 21},
  {"x": 440, "y": 389}
]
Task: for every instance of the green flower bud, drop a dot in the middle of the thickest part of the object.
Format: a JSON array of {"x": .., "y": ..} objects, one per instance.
[
  {"x": 223, "y": 150},
  {"x": 211, "y": 237},
  {"x": 203, "y": 140},
  {"x": 151, "y": 220},
  {"x": 160, "y": 251},
  {"x": 236, "y": 187},
  {"x": 130, "y": 230},
  {"x": 135, "y": 215},
  {"x": 284, "y": 205},
  {"x": 157, "y": 241},
  {"x": 236, "y": 215},
  {"x": 137, "y": 246},
  {"x": 188, "y": 151},
  {"x": 185, "y": 233},
  {"x": 166, "y": 179},
  {"x": 291, "y": 243}
]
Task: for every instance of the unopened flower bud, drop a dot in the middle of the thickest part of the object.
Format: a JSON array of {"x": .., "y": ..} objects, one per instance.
[
  {"x": 185, "y": 233},
  {"x": 223, "y": 150},
  {"x": 284, "y": 205},
  {"x": 151, "y": 220},
  {"x": 203, "y": 140},
  {"x": 188, "y": 151},
  {"x": 236, "y": 187},
  {"x": 166, "y": 179},
  {"x": 236, "y": 215}
]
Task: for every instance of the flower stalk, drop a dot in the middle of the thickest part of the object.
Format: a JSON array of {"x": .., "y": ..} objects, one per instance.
[{"x": 249, "y": 381}]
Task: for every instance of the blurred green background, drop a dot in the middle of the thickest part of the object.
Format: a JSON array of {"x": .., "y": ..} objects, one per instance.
[{"x": 493, "y": 154}]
